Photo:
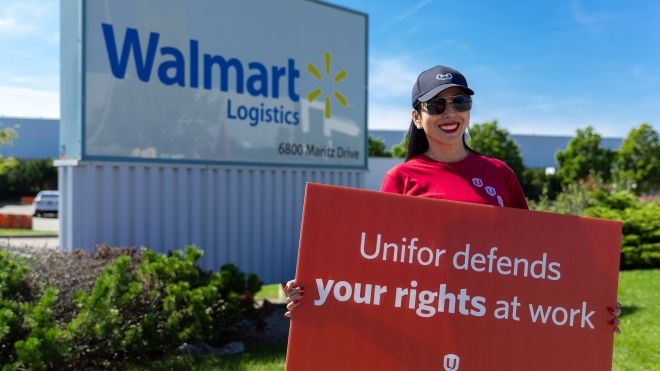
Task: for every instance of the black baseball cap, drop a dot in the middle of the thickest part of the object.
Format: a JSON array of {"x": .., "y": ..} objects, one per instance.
[{"x": 435, "y": 80}]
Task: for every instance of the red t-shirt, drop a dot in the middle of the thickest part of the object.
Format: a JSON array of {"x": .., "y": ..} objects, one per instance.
[{"x": 477, "y": 179}]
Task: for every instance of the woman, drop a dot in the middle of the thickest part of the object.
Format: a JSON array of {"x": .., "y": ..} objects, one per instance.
[{"x": 439, "y": 164}]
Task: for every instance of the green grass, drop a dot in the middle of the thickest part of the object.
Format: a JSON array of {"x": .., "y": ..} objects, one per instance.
[
  {"x": 637, "y": 348},
  {"x": 25, "y": 232},
  {"x": 262, "y": 358},
  {"x": 270, "y": 292}
]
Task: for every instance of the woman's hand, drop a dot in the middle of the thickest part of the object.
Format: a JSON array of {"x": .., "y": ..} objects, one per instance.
[
  {"x": 616, "y": 312},
  {"x": 294, "y": 294}
]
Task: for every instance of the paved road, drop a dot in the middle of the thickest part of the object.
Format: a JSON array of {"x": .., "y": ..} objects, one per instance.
[{"x": 46, "y": 224}]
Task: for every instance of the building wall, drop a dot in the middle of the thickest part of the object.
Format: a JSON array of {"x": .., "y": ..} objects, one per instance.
[
  {"x": 37, "y": 138},
  {"x": 246, "y": 216},
  {"x": 378, "y": 166}
]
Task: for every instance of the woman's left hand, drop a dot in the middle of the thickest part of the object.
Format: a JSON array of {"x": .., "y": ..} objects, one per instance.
[{"x": 616, "y": 312}]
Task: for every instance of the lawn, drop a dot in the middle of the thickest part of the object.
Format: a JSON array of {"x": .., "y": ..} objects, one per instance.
[
  {"x": 25, "y": 232},
  {"x": 637, "y": 348},
  {"x": 270, "y": 292}
]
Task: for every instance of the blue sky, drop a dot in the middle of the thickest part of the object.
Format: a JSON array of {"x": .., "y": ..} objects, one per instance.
[{"x": 539, "y": 67}]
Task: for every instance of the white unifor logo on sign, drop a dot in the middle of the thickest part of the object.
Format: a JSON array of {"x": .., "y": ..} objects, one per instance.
[
  {"x": 477, "y": 182},
  {"x": 443, "y": 76},
  {"x": 451, "y": 362}
]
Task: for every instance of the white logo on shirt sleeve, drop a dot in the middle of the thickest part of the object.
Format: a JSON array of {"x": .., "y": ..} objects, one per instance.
[
  {"x": 477, "y": 182},
  {"x": 500, "y": 200},
  {"x": 491, "y": 191}
]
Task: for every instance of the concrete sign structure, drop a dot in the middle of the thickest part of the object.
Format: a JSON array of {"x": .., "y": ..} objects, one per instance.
[{"x": 179, "y": 106}]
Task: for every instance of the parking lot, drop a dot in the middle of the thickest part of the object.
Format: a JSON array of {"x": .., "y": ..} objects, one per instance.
[{"x": 47, "y": 224}]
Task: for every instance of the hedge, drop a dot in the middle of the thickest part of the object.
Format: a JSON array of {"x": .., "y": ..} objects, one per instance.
[{"x": 102, "y": 309}]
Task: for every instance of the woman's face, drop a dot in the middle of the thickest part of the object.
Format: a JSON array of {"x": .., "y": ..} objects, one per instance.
[{"x": 446, "y": 128}]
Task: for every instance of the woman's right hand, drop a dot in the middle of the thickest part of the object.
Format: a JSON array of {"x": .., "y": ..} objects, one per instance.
[{"x": 294, "y": 294}]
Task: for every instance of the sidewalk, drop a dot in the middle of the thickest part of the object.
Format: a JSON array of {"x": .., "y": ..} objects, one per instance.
[
  {"x": 49, "y": 242},
  {"x": 17, "y": 209}
]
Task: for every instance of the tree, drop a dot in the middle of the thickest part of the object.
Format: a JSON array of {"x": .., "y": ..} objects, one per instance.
[
  {"x": 537, "y": 184},
  {"x": 489, "y": 139},
  {"x": 7, "y": 136},
  {"x": 582, "y": 156},
  {"x": 377, "y": 147},
  {"x": 637, "y": 164},
  {"x": 400, "y": 150}
]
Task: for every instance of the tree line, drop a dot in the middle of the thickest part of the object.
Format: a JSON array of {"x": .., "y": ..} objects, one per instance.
[{"x": 633, "y": 168}]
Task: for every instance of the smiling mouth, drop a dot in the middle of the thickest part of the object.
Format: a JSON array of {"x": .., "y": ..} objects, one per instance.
[{"x": 449, "y": 128}]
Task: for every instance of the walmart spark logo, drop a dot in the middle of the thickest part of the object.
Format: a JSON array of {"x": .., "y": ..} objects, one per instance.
[{"x": 318, "y": 91}]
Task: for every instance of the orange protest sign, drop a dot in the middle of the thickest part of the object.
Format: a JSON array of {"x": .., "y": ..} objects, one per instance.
[{"x": 405, "y": 283}]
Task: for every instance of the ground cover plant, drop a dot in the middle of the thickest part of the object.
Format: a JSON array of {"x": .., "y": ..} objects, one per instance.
[{"x": 102, "y": 309}]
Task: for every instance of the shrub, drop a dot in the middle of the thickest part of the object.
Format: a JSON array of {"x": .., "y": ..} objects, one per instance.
[
  {"x": 46, "y": 345},
  {"x": 14, "y": 294},
  {"x": 377, "y": 147},
  {"x": 137, "y": 306},
  {"x": 537, "y": 184},
  {"x": 640, "y": 241},
  {"x": 26, "y": 177},
  {"x": 640, "y": 245}
]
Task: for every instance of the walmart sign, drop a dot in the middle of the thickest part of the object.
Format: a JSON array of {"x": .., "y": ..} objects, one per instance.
[{"x": 256, "y": 82}]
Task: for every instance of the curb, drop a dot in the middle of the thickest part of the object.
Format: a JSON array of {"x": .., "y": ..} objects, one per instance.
[{"x": 27, "y": 236}]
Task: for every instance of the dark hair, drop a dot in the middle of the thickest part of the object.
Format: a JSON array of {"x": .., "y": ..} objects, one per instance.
[{"x": 417, "y": 141}]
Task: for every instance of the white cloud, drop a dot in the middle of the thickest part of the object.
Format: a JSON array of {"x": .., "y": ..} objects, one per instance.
[
  {"x": 405, "y": 14},
  {"x": 30, "y": 18},
  {"x": 22, "y": 102},
  {"x": 417, "y": 7},
  {"x": 386, "y": 117},
  {"x": 38, "y": 81},
  {"x": 7, "y": 23},
  {"x": 593, "y": 21},
  {"x": 391, "y": 79},
  {"x": 390, "y": 85}
]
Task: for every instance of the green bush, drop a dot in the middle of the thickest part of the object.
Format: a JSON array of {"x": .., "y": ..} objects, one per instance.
[
  {"x": 640, "y": 245},
  {"x": 377, "y": 147},
  {"x": 537, "y": 184},
  {"x": 26, "y": 177},
  {"x": 140, "y": 306},
  {"x": 640, "y": 241},
  {"x": 13, "y": 298},
  {"x": 46, "y": 345}
]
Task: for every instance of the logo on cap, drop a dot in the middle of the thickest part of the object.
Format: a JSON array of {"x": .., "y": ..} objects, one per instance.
[{"x": 444, "y": 76}]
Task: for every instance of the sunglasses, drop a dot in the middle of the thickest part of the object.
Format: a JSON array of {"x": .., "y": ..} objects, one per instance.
[{"x": 436, "y": 106}]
